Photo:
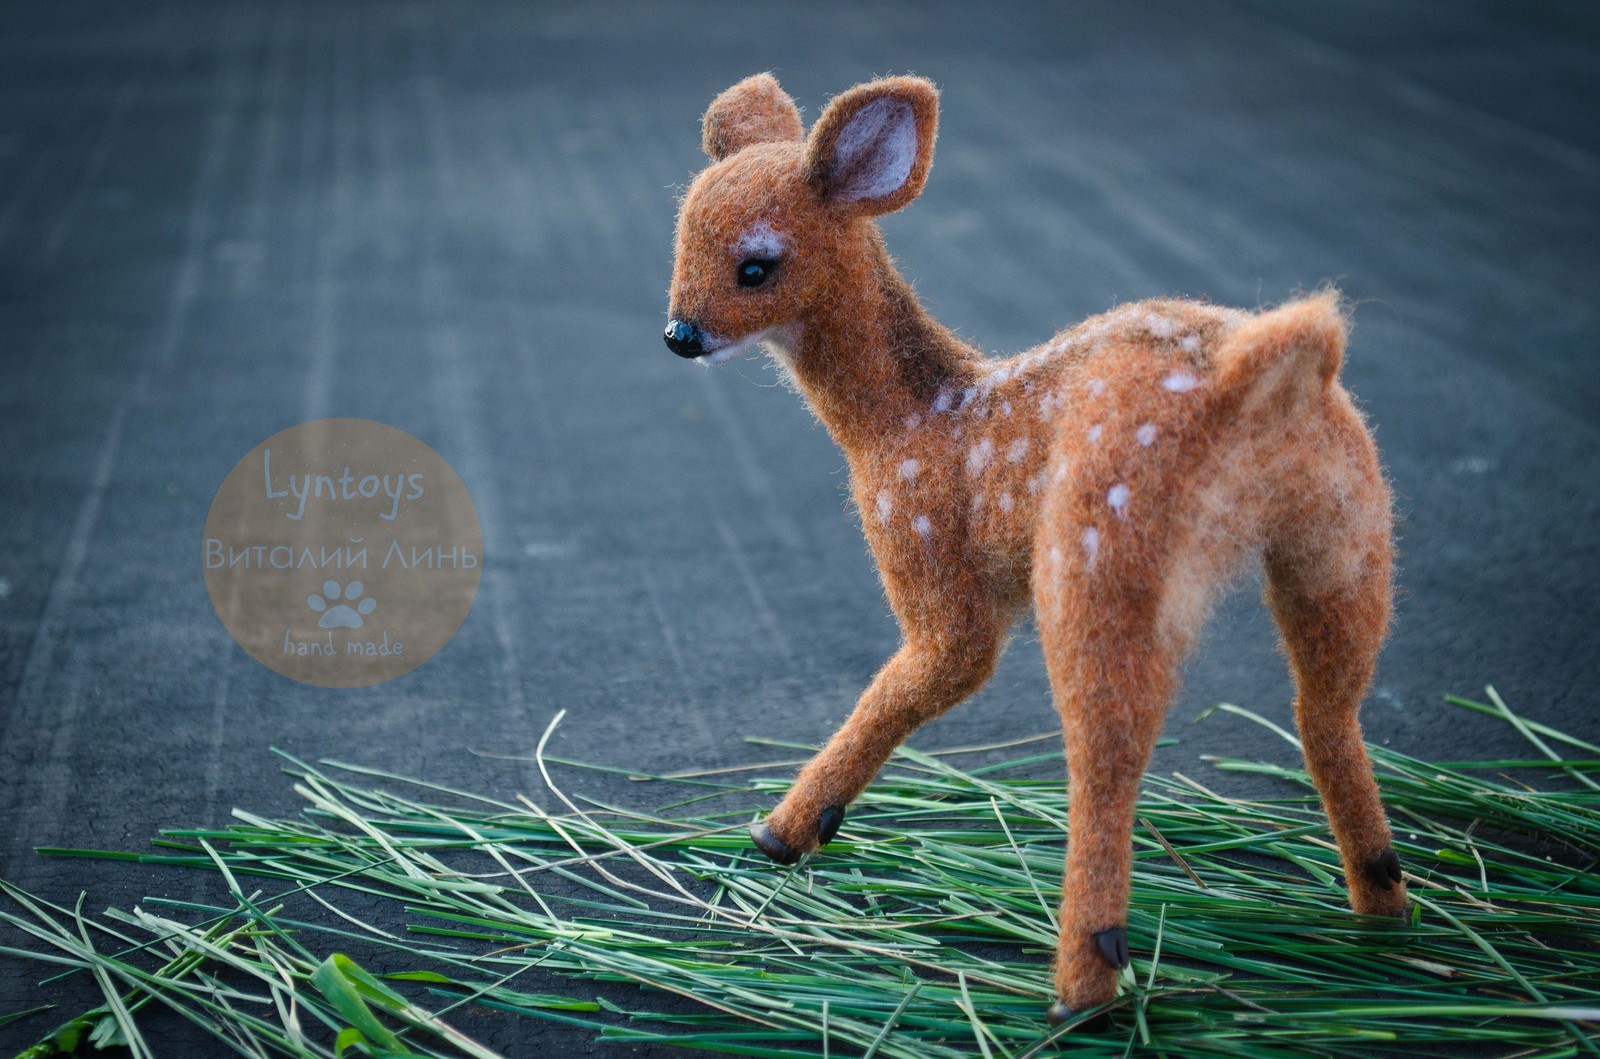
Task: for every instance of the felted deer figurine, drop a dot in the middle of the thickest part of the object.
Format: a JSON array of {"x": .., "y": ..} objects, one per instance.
[{"x": 1117, "y": 478}]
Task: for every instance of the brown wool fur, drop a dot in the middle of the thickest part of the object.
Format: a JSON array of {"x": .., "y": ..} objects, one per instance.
[{"x": 1116, "y": 478}]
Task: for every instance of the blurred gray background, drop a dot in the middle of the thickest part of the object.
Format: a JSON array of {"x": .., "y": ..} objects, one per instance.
[{"x": 219, "y": 220}]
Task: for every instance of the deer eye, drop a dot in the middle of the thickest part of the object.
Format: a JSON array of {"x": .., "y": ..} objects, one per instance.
[{"x": 754, "y": 271}]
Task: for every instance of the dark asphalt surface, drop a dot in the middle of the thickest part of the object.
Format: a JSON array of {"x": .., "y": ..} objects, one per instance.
[{"x": 217, "y": 221}]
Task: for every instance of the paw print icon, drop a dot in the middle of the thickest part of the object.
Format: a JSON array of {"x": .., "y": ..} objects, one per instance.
[{"x": 341, "y": 615}]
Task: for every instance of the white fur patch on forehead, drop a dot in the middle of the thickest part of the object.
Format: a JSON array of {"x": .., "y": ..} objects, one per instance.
[
  {"x": 762, "y": 241},
  {"x": 876, "y": 150}
]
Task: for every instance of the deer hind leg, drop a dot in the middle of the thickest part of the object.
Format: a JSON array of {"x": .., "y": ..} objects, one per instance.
[
  {"x": 1112, "y": 675},
  {"x": 1328, "y": 584}
]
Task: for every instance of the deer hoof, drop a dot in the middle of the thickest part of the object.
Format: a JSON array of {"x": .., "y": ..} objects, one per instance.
[
  {"x": 1113, "y": 946},
  {"x": 828, "y": 822},
  {"x": 774, "y": 847},
  {"x": 1059, "y": 1014},
  {"x": 1383, "y": 871}
]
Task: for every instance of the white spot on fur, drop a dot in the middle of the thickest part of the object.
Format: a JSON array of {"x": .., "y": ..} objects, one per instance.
[
  {"x": 1006, "y": 502},
  {"x": 909, "y": 469},
  {"x": 1117, "y": 497},
  {"x": 1159, "y": 326},
  {"x": 980, "y": 456},
  {"x": 1018, "y": 449},
  {"x": 1006, "y": 408},
  {"x": 1097, "y": 387},
  {"x": 1055, "y": 556},
  {"x": 968, "y": 396},
  {"x": 1180, "y": 382},
  {"x": 1146, "y": 435},
  {"x": 876, "y": 150},
  {"x": 1061, "y": 472},
  {"x": 1095, "y": 432},
  {"x": 941, "y": 403},
  {"x": 885, "y": 506},
  {"x": 761, "y": 240},
  {"x": 978, "y": 500},
  {"x": 923, "y": 527},
  {"x": 914, "y": 420},
  {"x": 1091, "y": 545},
  {"x": 1189, "y": 343}
]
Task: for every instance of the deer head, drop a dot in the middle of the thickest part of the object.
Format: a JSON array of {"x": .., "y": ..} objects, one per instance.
[{"x": 780, "y": 223}]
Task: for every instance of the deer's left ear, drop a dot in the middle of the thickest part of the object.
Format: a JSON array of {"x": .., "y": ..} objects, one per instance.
[{"x": 871, "y": 148}]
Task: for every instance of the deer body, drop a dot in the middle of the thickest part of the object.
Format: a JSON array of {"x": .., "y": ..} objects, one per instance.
[{"x": 1115, "y": 479}]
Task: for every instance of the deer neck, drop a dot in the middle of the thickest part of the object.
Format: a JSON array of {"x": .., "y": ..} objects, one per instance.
[{"x": 870, "y": 361}]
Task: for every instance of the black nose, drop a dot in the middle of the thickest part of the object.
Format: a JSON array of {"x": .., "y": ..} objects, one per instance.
[{"x": 683, "y": 338}]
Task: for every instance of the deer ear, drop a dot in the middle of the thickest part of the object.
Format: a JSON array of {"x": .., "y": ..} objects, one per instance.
[
  {"x": 871, "y": 148},
  {"x": 756, "y": 110}
]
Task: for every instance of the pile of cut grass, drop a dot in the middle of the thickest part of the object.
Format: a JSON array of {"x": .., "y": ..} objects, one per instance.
[{"x": 922, "y": 931}]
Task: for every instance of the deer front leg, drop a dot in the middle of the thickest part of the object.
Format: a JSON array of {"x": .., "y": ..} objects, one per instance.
[
  {"x": 1112, "y": 678},
  {"x": 1106, "y": 757},
  {"x": 927, "y": 676}
]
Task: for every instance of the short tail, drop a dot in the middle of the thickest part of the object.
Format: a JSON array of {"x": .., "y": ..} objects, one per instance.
[{"x": 1287, "y": 353}]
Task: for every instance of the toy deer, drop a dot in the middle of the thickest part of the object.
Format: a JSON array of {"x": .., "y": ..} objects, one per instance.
[{"x": 1117, "y": 478}]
